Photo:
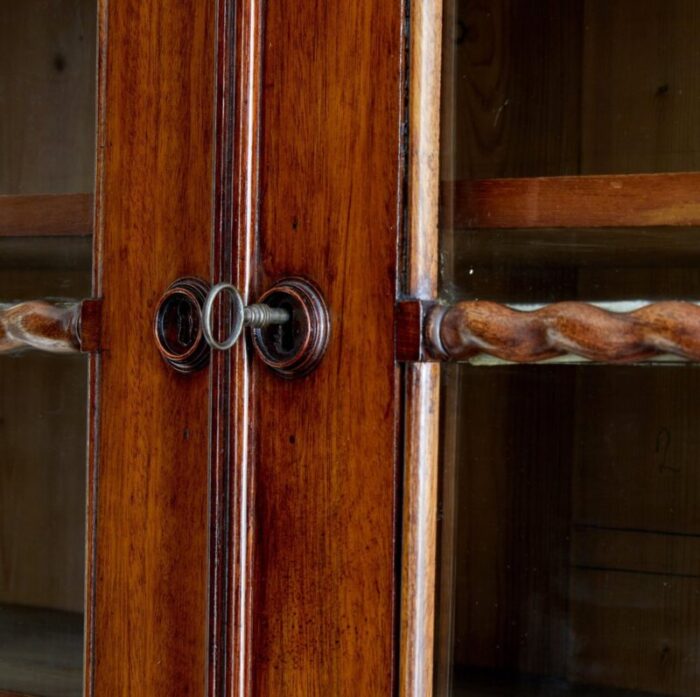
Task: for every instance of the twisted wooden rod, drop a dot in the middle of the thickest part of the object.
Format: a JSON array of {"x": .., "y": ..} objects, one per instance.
[
  {"x": 464, "y": 330},
  {"x": 40, "y": 325}
]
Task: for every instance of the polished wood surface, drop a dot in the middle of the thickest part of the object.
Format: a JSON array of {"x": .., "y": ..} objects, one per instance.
[
  {"x": 90, "y": 325},
  {"x": 409, "y": 326},
  {"x": 325, "y": 521},
  {"x": 423, "y": 149},
  {"x": 470, "y": 328},
  {"x": 419, "y": 541},
  {"x": 46, "y": 214},
  {"x": 149, "y": 622},
  {"x": 232, "y": 483},
  {"x": 639, "y": 200},
  {"x": 421, "y": 383}
]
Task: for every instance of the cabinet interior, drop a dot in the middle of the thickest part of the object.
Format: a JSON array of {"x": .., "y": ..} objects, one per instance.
[
  {"x": 569, "y": 527},
  {"x": 47, "y": 154}
]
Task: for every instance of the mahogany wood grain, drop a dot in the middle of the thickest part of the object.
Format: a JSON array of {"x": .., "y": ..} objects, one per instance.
[
  {"x": 149, "y": 622},
  {"x": 639, "y": 200},
  {"x": 90, "y": 326},
  {"x": 409, "y": 326},
  {"x": 46, "y": 214},
  {"x": 325, "y": 597},
  {"x": 421, "y": 382}
]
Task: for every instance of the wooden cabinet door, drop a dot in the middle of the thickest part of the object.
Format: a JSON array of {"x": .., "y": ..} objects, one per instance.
[
  {"x": 105, "y": 470},
  {"x": 244, "y": 525},
  {"x": 306, "y": 485}
]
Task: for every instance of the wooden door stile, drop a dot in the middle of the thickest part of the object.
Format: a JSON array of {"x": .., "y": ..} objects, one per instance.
[
  {"x": 150, "y": 563},
  {"x": 331, "y": 167},
  {"x": 421, "y": 381}
]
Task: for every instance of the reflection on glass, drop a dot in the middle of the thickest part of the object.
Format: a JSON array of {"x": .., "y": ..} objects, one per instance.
[
  {"x": 47, "y": 115},
  {"x": 570, "y": 494}
]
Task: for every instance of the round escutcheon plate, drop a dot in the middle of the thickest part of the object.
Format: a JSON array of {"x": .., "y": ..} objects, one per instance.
[
  {"x": 295, "y": 348},
  {"x": 178, "y": 325}
]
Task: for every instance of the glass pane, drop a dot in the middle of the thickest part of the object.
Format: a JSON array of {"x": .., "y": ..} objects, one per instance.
[
  {"x": 573, "y": 86},
  {"x": 47, "y": 134},
  {"x": 570, "y": 494}
]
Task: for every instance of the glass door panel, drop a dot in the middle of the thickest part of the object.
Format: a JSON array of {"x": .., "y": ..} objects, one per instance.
[
  {"x": 47, "y": 155},
  {"x": 558, "y": 87},
  {"x": 570, "y": 534}
]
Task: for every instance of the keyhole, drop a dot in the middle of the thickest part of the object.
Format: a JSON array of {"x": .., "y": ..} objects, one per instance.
[
  {"x": 287, "y": 330},
  {"x": 178, "y": 325},
  {"x": 185, "y": 323}
]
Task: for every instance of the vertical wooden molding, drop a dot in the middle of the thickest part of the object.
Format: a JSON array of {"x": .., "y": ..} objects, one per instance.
[
  {"x": 246, "y": 158},
  {"x": 424, "y": 147},
  {"x": 219, "y": 405},
  {"x": 94, "y": 362},
  {"x": 236, "y": 210},
  {"x": 422, "y": 382}
]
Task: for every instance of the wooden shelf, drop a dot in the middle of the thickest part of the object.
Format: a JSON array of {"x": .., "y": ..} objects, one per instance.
[
  {"x": 610, "y": 201},
  {"x": 46, "y": 215},
  {"x": 41, "y": 652}
]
